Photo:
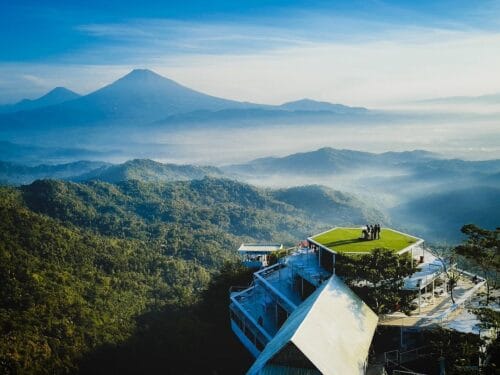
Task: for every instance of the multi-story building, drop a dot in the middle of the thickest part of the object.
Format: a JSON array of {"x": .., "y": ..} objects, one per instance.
[{"x": 299, "y": 317}]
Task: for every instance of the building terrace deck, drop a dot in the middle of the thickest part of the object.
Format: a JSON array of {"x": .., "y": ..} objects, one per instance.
[
  {"x": 348, "y": 240},
  {"x": 437, "y": 310}
]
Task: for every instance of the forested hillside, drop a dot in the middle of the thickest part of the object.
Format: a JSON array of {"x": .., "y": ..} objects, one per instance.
[
  {"x": 133, "y": 277},
  {"x": 128, "y": 278},
  {"x": 333, "y": 206},
  {"x": 156, "y": 210},
  {"x": 65, "y": 291}
]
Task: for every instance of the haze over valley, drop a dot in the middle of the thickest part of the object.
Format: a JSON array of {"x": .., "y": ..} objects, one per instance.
[{"x": 160, "y": 119}]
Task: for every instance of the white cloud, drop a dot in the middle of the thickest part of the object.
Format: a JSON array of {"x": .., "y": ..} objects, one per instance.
[
  {"x": 32, "y": 79},
  {"x": 372, "y": 73}
]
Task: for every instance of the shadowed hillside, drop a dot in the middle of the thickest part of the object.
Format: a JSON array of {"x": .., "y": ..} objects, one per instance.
[{"x": 332, "y": 206}]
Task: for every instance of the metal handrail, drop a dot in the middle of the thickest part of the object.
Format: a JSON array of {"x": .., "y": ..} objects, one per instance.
[{"x": 290, "y": 306}]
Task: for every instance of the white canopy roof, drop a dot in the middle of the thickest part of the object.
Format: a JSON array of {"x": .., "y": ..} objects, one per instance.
[
  {"x": 426, "y": 273},
  {"x": 333, "y": 328},
  {"x": 260, "y": 248}
]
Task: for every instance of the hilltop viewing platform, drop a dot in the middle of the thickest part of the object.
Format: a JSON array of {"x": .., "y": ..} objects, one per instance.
[
  {"x": 349, "y": 240},
  {"x": 301, "y": 286}
]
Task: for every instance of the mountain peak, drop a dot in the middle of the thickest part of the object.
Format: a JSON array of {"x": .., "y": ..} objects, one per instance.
[
  {"x": 145, "y": 96},
  {"x": 145, "y": 79},
  {"x": 60, "y": 89},
  {"x": 306, "y": 100},
  {"x": 61, "y": 92},
  {"x": 142, "y": 74}
]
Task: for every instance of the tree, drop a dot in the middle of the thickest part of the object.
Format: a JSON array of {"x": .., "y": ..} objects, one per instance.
[
  {"x": 482, "y": 248},
  {"x": 378, "y": 277},
  {"x": 447, "y": 258},
  {"x": 490, "y": 319},
  {"x": 459, "y": 350}
]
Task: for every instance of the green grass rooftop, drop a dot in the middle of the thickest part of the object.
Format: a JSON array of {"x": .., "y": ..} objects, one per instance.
[{"x": 347, "y": 240}]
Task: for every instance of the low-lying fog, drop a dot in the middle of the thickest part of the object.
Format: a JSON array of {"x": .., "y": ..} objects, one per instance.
[
  {"x": 470, "y": 137},
  {"x": 468, "y": 140},
  {"x": 414, "y": 202}
]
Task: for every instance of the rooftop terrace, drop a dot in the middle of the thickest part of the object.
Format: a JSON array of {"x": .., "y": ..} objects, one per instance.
[{"x": 348, "y": 240}]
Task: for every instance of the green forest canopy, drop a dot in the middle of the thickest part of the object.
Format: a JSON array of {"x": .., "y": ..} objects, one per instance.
[{"x": 93, "y": 272}]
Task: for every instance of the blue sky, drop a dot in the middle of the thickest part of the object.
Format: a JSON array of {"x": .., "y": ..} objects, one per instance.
[{"x": 266, "y": 51}]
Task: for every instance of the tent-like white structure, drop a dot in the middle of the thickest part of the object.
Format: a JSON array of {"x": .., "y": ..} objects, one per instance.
[
  {"x": 257, "y": 255},
  {"x": 259, "y": 248},
  {"x": 331, "y": 330}
]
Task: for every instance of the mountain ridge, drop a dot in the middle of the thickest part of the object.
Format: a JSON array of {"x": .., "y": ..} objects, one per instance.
[
  {"x": 15, "y": 173},
  {"x": 144, "y": 97},
  {"x": 325, "y": 160},
  {"x": 307, "y": 104},
  {"x": 55, "y": 96},
  {"x": 145, "y": 170},
  {"x": 139, "y": 96}
]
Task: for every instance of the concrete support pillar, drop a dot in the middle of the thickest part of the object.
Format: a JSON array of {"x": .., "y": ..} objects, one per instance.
[
  {"x": 433, "y": 290},
  {"x": 419, "y": 299}
]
